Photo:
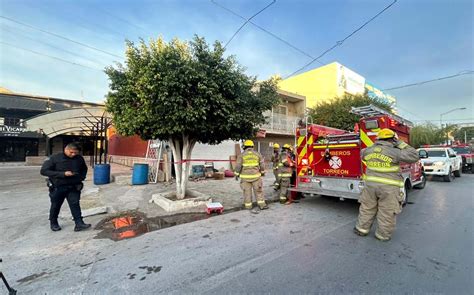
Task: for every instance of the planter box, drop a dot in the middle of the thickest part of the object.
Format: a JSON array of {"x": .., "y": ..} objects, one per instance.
[{"x": 194, "y": 202}]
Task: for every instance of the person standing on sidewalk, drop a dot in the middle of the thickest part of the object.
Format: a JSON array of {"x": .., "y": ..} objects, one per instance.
[
  {"x": 382, "y": 196},
  {"x": 65, "y": 172},
  {"x": 275, "y": 159},
  {"x": 285, "y": 164},
  {"x": 250, "y": 168}
]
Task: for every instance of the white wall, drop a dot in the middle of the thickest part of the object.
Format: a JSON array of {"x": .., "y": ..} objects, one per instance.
[{"x": 214, "y": 152}]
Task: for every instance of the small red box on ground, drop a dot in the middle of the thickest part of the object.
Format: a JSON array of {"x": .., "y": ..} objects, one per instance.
[{"x": 214, "y": 207}]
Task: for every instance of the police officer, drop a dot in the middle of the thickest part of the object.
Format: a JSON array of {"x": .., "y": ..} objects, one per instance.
[
  {"x": 382, "y": 195},
  {"x": 275, "y": 159},
  {"x": 65, "y": 171},
  {"x": 285, "y": 164},
  {"x": 250, "y": 168}
]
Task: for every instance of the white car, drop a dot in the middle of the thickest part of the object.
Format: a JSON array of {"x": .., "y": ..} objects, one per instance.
[{"x": 441, "y": 161}]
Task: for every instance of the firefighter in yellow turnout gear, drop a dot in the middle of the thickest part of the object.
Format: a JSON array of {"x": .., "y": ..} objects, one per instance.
[
  {"x": 275, "y": 160},
  {"x": 382, "y": 195},
  {"x": 285, "y": 169},
  {"x": 250, "y": 168}
]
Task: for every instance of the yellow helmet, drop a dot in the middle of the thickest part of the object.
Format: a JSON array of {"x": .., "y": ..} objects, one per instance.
[
  {"x": 276, "y": 146},
  {"x": 385, "y": 134},
  {"x": 248, "y": 143},
  {"x": 287, "y": 146}
]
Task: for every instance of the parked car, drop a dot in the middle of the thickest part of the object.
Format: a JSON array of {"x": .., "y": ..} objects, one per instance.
[
  {"x": 441, "y": 162},
  {"x": 467, "y": 155}
]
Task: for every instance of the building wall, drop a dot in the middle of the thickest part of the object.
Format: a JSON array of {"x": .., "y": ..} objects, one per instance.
[
  {"x": 317, "y": 85},
  {"x": 132, "y": 146}
]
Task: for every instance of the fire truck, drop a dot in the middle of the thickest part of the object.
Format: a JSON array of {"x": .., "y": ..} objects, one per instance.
[{"x": 332, "y": 166}]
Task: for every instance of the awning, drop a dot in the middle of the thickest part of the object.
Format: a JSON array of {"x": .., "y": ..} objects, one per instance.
[{"x": 83, "y": 121}]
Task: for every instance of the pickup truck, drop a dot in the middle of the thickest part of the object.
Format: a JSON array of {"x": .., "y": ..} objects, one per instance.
[
  {"x": 467, "y": 155},
  {"x": 441, "y": 161}
]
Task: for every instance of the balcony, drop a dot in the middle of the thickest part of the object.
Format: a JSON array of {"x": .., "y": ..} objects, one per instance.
[{"x": 280, "y": 124}]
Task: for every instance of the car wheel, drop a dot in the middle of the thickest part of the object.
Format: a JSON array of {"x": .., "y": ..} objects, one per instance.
[
  {"x": 449, "y": 177},
  {"x": 423, "y": 182},
  {"x": 457, "y": 173}
]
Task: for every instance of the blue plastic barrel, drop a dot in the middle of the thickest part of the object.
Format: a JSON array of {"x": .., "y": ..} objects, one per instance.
[
  {"x": 101, "y": 174},
  {"x": 140, "y": 174}
]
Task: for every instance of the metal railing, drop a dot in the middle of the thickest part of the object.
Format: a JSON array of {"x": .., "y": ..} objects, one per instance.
[{"x": 277, "y": 123}]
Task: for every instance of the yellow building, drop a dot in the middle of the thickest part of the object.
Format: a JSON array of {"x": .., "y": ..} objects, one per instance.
[{"x": 328, "y": 82}]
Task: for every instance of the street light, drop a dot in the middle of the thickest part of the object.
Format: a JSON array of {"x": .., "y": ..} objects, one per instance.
[{"x": 441, "y": 119}]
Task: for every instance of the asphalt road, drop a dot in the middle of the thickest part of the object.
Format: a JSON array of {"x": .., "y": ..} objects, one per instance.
[{"x": 304, "y": 248}]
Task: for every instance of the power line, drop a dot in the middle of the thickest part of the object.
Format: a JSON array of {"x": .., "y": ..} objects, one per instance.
[
  {"x": 265, "y": 30},
  {"x": 466, "y": 72},
  {"x": 243, "y": 25},
  {"x": 52, "y": 57},
  {"x": 121, "y": 19},
  {"x": 23, "y": 34},
  {"x": 451, "y": 120},
  {"x": 59, "y": 36},
  {"x": 340, "y": 42}
]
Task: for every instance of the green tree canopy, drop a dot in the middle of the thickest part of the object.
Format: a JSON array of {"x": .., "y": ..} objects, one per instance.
[
  {"x": 336, "y": 112},
  {"x": 427, "y": 133},
  {"x": 185, "y": 92}
]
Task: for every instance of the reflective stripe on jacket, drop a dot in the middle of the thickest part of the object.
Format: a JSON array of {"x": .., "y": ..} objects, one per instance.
[
  {"x": 382, "y": 160},
  {"x": 285, "y": 164},
  {"x": 250, "y": 165}
]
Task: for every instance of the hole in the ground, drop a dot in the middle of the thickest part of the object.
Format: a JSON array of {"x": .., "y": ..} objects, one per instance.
[{"x": 132, "y": 224}]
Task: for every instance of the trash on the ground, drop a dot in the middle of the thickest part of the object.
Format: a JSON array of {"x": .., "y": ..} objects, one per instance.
[
  {"x": 218, "y": 175},
  {"x": 229, "y": 173},
  {"x": 214, "y": 207}
]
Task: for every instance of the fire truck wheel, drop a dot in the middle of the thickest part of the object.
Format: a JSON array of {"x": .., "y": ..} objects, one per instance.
[
  {"x": 457, "y": 173},
  {"x": 405, "y": 189},
  {"x": 423, "y": 182},
  {"x": 449, "y": 177}
]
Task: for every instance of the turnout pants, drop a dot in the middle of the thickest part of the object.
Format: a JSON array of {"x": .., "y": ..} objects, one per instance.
[
  {"x": 383, "y": 202},
  {"x": 257, "y": 188},
  {"x": 284, "y": 185},
  {"x": 57, "y": 197}
]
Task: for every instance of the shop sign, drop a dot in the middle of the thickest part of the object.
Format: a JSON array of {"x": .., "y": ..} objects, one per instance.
[
  {"x": 379, "y": 94},
  {"x": 6, "y": 130},
  {"x": 350, "y": 81}
]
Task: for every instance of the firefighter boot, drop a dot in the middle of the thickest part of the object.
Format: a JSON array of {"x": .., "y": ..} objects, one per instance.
[
  {"x": 262, "y": 205},
  {"x": 359, "y": 232},
  {"x": 80, "y": 225},
  {"x": 54, "y": 225}
]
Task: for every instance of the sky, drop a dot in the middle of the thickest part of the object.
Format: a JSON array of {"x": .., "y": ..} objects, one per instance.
[{"x": 414, "y": 40}]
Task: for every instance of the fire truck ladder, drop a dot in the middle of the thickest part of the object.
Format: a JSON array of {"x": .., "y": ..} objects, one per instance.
[
  {"x": 372, "y": 111},
  {"x": 153, "y": 158}
]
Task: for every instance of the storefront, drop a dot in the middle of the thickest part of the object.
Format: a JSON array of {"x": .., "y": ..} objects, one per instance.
[{"x": 17, "y": 142}]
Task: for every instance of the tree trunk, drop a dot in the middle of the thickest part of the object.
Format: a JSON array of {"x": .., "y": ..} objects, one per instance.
[{"x": 182, "y": 149}]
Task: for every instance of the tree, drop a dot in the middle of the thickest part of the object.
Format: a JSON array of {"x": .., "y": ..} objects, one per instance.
[
  {"x": 336, "y": 113},
  {"x": 427, "y": 133},
  {"x": 464, "y": 133},
  {"x": 185, "y": 92}
]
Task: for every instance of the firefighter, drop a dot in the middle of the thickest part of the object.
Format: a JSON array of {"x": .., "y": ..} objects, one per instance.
[
  {"x": 285, "y": 170},
  {"x": 275, "y": 159},
  {"x": 250, "y": 168},
  {"x": 383, "y": 193}
]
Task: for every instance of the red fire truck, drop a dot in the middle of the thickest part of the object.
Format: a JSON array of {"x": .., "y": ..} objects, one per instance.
[{"x": 333, "y": 166}]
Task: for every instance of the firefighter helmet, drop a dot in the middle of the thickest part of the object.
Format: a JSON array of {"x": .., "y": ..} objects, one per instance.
[
  {"x": 287, "y": 146},
  {"x": 276, "y": 146},
  {"x": 385, "y": 134},
  {"x": 248, "y": 143}
]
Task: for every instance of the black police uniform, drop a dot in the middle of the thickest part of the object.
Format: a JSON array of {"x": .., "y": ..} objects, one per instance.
[{"x": 65, "y": 187}]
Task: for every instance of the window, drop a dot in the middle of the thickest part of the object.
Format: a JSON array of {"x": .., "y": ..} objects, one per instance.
[
  {"x": 371, "y": 124},
  {"x": 281, "y": 110},
  {"x": 441, "y": 154}
]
